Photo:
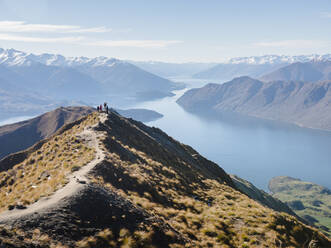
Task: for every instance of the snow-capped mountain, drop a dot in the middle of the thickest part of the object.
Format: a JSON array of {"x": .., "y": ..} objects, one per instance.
[
  {"x": 277, "y": 59},
  {"x": 255, "y": 66},
  {"x": 85, "y": 79},
  {"x": 12, "y": 57}
]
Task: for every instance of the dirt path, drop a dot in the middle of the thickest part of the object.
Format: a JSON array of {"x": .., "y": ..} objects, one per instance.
[{"x": 77, "y": 180}]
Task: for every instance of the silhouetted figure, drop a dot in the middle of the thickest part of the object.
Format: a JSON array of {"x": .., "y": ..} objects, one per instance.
[
  {"x": 98, "y": 108},
  {"x": 107, "y": 109}
]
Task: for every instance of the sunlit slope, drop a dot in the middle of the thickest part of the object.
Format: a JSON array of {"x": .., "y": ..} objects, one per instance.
[
  {"x": 147, "y": 190},
  {"x": 310, "y": 201}
]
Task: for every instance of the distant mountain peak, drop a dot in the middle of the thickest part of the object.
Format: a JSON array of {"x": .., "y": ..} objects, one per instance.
[
  {"x": 12, "y": 57},
  {"x": 277, "y": 59}
]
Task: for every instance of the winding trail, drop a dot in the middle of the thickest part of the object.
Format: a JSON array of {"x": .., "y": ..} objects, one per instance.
[{"x": 77, "y": 180}]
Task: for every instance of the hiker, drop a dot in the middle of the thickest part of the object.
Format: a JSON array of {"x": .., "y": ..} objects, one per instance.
[
  {"x": 107, "y": 109},
  {"x": 98, "y": 108},
  {"x": 104, "y": 105}
]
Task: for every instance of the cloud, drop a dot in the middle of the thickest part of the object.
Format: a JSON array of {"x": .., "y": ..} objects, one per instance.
[
  {"x": 293, "y": 44},
  {"x": 81, "y": 40},
  {"x": 9, "y": 37},
  {"x": 23, "y": 27},
  {"x": 7, "y": 28},
  {"x": 135, "y": 43}
]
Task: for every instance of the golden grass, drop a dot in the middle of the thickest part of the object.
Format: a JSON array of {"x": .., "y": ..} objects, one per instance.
[
  {"x": 125, "y": 239},
  {"x": 46, "y": 170},
  {"x": 206, "y": 211}
]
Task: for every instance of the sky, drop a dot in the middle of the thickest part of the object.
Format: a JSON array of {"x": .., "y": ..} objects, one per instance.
[{"x": 167, "y": 30}]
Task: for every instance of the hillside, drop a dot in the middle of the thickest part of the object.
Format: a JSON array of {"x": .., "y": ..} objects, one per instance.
[
  {"x": 78, "y": 78},
  {"x": 229, "y": 71},
  {"x": 307, "y": 72},
  {"x": 15, "y": 103},
  {"x": 304, "y": 104},
  {"x": 260, "y": 196},
  {"x": 107, "y": 181},
  {"x": 19, "y": 136},
  {"x": 255, "y": 66},
  {"x": 310, "y": 201}
]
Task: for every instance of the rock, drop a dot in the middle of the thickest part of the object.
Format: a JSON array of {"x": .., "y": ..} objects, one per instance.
[{"x": 20, "y": 207}]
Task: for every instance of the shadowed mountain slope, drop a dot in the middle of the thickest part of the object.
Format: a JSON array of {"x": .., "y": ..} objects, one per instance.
[
  {"x": 303, "y": 103},
  {"x": 108, "y": 181},
  {"x": 73, "y": 78},
  {"x": 257, "y": 66},
  {"x": 307, "y": 72},
  {"x": 19, "y": 136}
]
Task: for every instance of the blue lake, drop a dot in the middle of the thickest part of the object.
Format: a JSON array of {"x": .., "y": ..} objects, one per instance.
[{"x": 254, "y": 150}]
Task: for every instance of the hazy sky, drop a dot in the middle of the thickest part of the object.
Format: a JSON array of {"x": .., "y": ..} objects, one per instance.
[{"x": 167, "y": 30}]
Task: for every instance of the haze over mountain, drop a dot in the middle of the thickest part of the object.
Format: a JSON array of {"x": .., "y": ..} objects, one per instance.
[
  {"x": 255, "y": 66},
  {"x": 303, "y": 103},
  {"x": 108, "y": 181},
  {"x": 308, "y": 72},
  {"x": 82, "y": 79},
  {"x": 169, "y": 70}
]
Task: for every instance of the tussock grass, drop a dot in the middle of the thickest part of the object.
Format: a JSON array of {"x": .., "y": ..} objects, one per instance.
[
  {"x": 206, "y": 211},
  {"x": 46, "y": 170}
]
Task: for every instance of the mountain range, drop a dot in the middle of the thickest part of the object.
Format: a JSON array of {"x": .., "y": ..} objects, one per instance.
[
  {"x": 307, "y": 72},
  {"x": 255, "y": 66},
  {"x": 60, "y": 79},
  {"x": 107, "y": 181},
  {"x": 303, "y": 103}
]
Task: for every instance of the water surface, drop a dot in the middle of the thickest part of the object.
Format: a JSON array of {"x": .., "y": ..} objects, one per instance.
[
  {"x": 255, "y": 150},
  {"x": 15, "y": 119}
]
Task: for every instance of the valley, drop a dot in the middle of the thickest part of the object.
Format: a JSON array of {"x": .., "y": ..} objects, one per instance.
[{"x": 165, "y": 124}]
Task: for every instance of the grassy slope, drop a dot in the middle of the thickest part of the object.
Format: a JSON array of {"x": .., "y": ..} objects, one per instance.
[
  {"x": 45, "y": 169},
  {"x": 315, "y": 199},
  {"x": 167, "y": 180},
  {"x": 142, "y": 167}
]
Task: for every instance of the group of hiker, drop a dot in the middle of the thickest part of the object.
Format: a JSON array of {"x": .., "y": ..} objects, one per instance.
[{"x": 103, "y": 108}]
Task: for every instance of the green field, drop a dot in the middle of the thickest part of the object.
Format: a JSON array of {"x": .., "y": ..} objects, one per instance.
[{"x": 310, "y": 201}]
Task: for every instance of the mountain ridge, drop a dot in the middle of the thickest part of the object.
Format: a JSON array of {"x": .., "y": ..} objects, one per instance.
[
  {"x": 88, "y": 77},
  {"x": 255, "y": 66},
  {"x": 148, "y": 189},
  {"x": 313, "y": 71},
  {"x": 301, "y": 103}
]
